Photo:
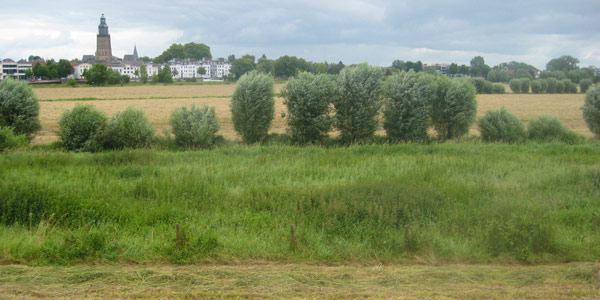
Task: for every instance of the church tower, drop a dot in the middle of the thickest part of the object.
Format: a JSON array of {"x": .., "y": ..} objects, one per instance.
[{"x": 103, "y": 47}]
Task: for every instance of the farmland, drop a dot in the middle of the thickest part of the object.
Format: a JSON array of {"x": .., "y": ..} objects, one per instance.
[
  {"x": 159, "y": 101},
  {"x": 464, "y": 220}
]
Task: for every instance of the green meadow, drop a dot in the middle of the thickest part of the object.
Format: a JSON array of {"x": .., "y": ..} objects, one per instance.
[{"x": 466, "y": 202}]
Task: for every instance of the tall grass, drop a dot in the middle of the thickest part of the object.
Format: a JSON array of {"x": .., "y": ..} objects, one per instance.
[{"x": 458, "y": 202}]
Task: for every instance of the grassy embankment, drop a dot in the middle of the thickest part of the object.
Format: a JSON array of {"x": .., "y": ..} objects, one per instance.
[{"x": 466, "y": 203}]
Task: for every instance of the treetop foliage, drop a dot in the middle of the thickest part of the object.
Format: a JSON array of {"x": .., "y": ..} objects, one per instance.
[
  {"x": 564, "y": 63},
  {"x": 194, "y": 51}
]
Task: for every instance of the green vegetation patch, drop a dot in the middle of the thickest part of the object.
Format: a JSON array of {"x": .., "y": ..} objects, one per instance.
[{"x": 454, "y": 202}]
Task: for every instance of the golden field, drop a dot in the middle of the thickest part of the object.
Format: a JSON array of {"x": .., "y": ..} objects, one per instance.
[{"x": 149, "y": 99}]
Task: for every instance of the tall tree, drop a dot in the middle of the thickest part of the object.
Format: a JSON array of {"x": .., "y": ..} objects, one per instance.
[
  {"x": 64, "y": 68},
  {"x": 564, "y": 63},
  {"x": 242, "y": 66},
  {"x": 143, "y": 74},
  {"x": 453, "y": 69}
]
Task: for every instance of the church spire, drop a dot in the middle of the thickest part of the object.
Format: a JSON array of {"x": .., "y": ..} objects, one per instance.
[{"x": 135, "y": 54}]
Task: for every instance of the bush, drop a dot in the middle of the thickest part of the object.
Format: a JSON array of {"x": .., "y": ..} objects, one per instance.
[
  {"x": 544, "y": 84},
  {"x": 9, "y": 140},
  {"x": 559, "y": 87},
  {"x": 19, "y": 108},
  {"x": 525, "y": 83},
  {"x": 488, "y": 87},
  {"x": 82, "y": 129},
  {"x": 479, "y": 84},
  {"x": 129, "y": 129},
  {"x": 195, "y": 128},
  {"x": 498, "y": 88},
  {"x": 515, "y": 85},
  {"x": 584, "y": 85},
  {"x": 307, "y": 98},
  {"x": 501, "y": 126},
  {"x": 358, "y": 102},
  {"x": 454, "y": 108},
  {"x": 252, "y": 106},
  {"x": 591, "y": 110},
  {"x": 72, "y": 82},
  {"x": 536, "y": 87},
  {"x": 552, "y": 85},
  {"x": 407, "y": 112},
  {"x": 569, "y": 86},
  {"x": 550, "y": 129}
]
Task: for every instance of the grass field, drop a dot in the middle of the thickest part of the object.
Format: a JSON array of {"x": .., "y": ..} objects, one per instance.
[
  {"x": 148, "y": 98},
  {"x": 300, "y": 281}
]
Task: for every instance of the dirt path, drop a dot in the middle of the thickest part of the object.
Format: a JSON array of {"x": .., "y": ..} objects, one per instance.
[{"x": 301, "y": 281}]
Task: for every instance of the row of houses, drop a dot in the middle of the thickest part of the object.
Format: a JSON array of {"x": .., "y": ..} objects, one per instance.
[
  {"x": 10, "y": 68},
  {"x": 181, "y": 69}
]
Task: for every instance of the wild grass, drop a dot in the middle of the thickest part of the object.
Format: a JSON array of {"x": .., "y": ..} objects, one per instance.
[{"x": 454, "y": 202}]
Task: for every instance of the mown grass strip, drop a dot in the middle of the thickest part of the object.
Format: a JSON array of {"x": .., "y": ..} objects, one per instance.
[{"x": 267, "y": 281}]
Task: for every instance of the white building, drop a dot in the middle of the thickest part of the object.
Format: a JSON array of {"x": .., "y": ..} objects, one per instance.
[
  {"x": 10, "y": 68},
  {"x": 79, "y": 69}
]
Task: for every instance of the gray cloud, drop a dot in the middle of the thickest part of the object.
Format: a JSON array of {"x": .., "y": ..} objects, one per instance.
[{"x": 349, "y": 30}]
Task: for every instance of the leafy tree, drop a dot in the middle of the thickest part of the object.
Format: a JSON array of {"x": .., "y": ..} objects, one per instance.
[
  {"x": 19, "y": 107},
  {"x": 498, "y": 75},
  {"x": 477, "y": 61},
  {"x": 194, "y": 51},
  {"x": 129, "y": 129},
  {"x": 584, "y": 85},
  {"x": 231, "y": 58},
  {"x": 515, "y": 85},
  {"x": 201, "y": 71},
  {"x": 308, "y": 98},
  {"x": 336, "y": 68},
  {"x": 253, "y": 106},
  {"x": 453, "y": 69},
  {"x": 580, "y": 74},
  {"x": 320, "y": 68},
  {"x": 536, "y": 86},
  {"x": 498, "y": 88},
  {"x": 64, "y": 68},
  {"x": 569, "y": 86},
  {"x": 196, "y": 127},
  {"x": 40, "y": 70},
  {"x": 82, "y": 129},
  {"x": 242, "y": 66},
  {"x": 288, "y": 66},
  {"x": 525, "y": 84},
  {"x": 358, "y": 102},
  {"x": 464, "y": 69},
  {"x": 407, "y": 111},
  {"x": 145, "y": 59},
  {"x": 501, "y": 126},
  {"x": 552, "y": 85},
  {"x": 143, "y": 74},
  {"x": 98, "y": 74},
  {"x": 522, "y": 73},
  {"x": 165, "y": 75},
  {"x": 454, "y": 107},
  {"x": 28, "y": 73},
  {"x": 478, "y": 67},
  {"x": 52, "y": 69},
  {"x": 564, "y": 63},
  {"x": 591, "y": 110},
  {"x": 265, "y": 65},
  {"x": 399, "y": 65}
]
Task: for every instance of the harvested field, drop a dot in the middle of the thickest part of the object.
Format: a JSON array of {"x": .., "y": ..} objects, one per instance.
[{"x": 147, "y": 98}]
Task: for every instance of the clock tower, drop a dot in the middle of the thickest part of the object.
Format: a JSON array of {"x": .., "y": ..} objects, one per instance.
[{"x": 103, "y": 47}]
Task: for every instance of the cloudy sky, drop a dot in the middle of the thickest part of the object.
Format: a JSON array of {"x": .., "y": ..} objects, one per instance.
[{"x": 352, "y": 31}]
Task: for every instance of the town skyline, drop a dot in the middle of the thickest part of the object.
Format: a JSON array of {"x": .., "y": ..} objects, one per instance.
[{"x": 377, "y": 32}]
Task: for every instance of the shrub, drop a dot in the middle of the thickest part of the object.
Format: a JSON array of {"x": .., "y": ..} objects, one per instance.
[
  {"x": 307, "y": 98},
  {"x": 488, "y": 87},
  {"x": 479, "y": 84},
  {"x": 196, "y": 127},
  {"x": 72, "y": 82},
  {"x": 19, "y": 108},
  {"x": 552, "y": 85},
  {"x": 252, "y": 106},
  {"x": 498, "y": 88},
  {"x": 550, "y": 129},
  {"x": 536, "y": 87},
  {"x": 501, "y": 126},
  {"x": 544, "y": 84},
  {"x": 525, "y": 83},
  {"x": 82, "y": 129},
  {"x": 591, "y": 110},
  {"x": 454, "y": 108},
  {"x": 584, "y": 85},
  {"x": 407, "y": 112},
  {"x": 9, "y": 140},
  {"x": 559, "y": 88},
  {"x": 515, "y": 85},
  {"x": 358, "y": 102},
  {"x": 129, "y": 129},
  {"x": 569, "y": 86}
]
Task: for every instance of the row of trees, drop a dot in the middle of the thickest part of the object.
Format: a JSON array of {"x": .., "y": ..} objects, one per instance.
[
  {"x": 415, "y": 101},
  {"x": 51, "y": 70},
  {"x": 284, "y": 67}
]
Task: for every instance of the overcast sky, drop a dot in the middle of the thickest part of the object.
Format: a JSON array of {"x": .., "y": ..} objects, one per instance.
[{"x": 352, "y": 31}]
